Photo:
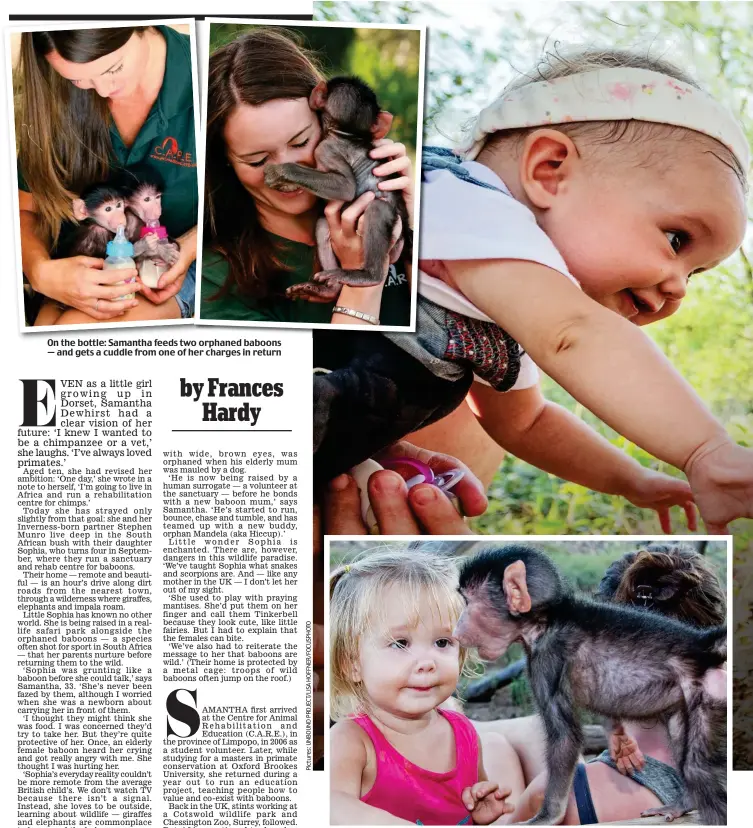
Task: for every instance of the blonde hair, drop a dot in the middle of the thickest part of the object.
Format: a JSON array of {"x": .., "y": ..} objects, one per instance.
[{"x": 357, "y": 592}]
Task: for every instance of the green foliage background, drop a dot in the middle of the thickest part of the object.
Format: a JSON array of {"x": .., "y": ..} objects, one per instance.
[
  {"x": 387, "y": 59},
  {"x": 472, "y": 51}
]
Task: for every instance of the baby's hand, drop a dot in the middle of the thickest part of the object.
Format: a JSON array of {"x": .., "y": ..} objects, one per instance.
[
  {"x": 721, "y": 477},
  {"x": 654, "y": 490},
  {"x": 486, "y": 802}
]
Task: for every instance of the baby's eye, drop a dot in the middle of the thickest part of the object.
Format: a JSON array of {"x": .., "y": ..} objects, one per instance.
[
  {"x": 443, "y": 643},
  {"x": 677, "y": 239},
  {"x": 399, "y": 643}
]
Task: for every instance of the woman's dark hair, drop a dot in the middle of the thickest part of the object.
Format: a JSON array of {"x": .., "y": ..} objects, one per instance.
[
  {"x": 263, "y": 65},
  {"x": 64, "y": 132},
  {"x": 668, "y": 578}
]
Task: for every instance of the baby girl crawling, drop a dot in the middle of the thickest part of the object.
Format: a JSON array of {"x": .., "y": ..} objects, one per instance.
[{"x": 589, "y": 198}]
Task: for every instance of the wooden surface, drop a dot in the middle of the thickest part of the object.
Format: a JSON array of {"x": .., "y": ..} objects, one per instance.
[
  {"x": 594, "y": 739},
  {"x": 688, "y": 819}
]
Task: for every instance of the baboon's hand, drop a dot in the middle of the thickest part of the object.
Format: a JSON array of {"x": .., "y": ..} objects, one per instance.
[
  {"x": 312, "y": 292},
  {"x": 169, "y": 252}
]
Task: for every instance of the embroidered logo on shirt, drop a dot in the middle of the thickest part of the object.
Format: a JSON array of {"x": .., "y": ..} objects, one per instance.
[
  {"x": 170, "y": 152},
  {"x": 394, "y": 278}
]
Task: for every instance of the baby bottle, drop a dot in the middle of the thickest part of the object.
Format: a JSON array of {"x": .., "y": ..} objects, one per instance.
[
  {"x": 151, "y": 269},
  {"x": 120, "y": 257}
]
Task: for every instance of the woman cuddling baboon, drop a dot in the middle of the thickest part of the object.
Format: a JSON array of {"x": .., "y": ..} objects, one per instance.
[{"x": 261, "y": 241}]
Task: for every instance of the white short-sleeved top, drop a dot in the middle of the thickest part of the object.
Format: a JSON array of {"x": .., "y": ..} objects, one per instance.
[{"x": 460, "y": 220}]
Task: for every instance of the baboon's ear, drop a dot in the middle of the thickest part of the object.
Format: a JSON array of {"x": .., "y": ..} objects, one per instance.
[
  {"x": 318, "y": 96},
  {"x": 79, "y": 209},
  {"x": 667, "y": 592},
  {"x": 515, "y": 588},
  {"x": 382, "y": 126}
]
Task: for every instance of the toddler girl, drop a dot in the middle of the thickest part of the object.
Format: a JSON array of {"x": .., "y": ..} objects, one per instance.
[
  {"x": 589, "y": 197},
  {"x": 393, "y": 661}
]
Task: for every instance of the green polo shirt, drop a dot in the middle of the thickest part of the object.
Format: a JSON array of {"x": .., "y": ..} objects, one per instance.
[
  {"x": 166, "y": 142},
  {"x": 301, "y": 258}
]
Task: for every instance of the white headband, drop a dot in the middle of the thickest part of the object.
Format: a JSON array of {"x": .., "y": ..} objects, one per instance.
[{"x": 620, "y": 94}]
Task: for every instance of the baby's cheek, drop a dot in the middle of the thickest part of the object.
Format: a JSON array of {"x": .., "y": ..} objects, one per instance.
[{"x": 452, "y": 664}]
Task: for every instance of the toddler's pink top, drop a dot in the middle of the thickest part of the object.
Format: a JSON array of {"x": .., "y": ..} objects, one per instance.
[{"x": 419, "y": 795}]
